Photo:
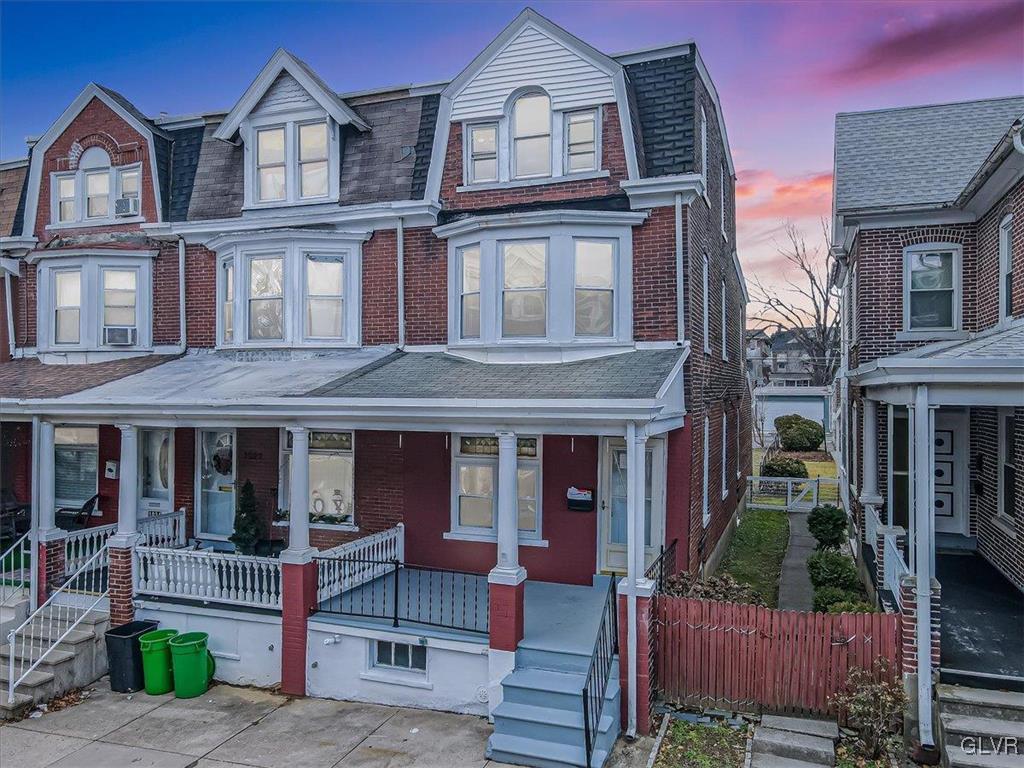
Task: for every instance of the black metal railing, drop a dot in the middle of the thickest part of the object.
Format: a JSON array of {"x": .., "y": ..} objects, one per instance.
[
  {"x": 404, "y": 593},
  {"x": 663, "y": 566},
  {"x": 605, "y": 648}
]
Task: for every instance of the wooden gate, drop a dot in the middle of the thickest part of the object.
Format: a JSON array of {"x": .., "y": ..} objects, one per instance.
[{"x": 747, "y": 658}]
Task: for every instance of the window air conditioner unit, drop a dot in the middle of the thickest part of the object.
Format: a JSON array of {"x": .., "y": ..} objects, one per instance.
[
  {"x": 126, "y": 206},
  {"x": 119, "y": 337}
]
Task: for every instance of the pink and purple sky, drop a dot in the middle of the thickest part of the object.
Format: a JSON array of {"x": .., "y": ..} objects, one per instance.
[{"x": 783, "y": 69}]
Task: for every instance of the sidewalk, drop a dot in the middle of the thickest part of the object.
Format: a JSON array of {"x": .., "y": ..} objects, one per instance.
[{"x": 795, "y": 590}]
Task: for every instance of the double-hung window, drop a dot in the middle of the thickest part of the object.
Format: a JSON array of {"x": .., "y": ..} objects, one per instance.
[
  {"x": 524, "y": 292},
  {"x": 725, "y": 320},
  {"x": 595, "y": 287},
  {"x": 483, "y": 153},
  {"x": 899, "y": 463},
  {"x": 475, "y": 483},
  {"x": 721, "y": 199},
  {"x": 704, "y": 146},
  {"x": 128, "y": 184},
  {"x": 931, "y": 294},
  {"x": 266, "y": 298},
  {"x": 331, "y": 477},
  {"x": 1006, "y": 267},
  {"x": 581, "y": 141},
  {"x": 1007, "y": 468},
  {"x": 706, "y": 300},
  {"x": 725, "y": 454},
  {"x": 325, "y": 296},
  {"x": 66, "y": 198},
  {"x": 270, "y": 165},
  {"x": 228, "y": 302},
  {"x": 97, "y": 194},
  {"x": 120, "y": 292},
  {"x": 67, "y": 303},
  {"x": 706, "y": 501},
  {"x": 75, "y": 465},
  {"x": 738, "y": 436},
  {"x": 469, "y": 292},
  {"x": 531, "y": 136},
  {"x": 313, "y": 160}
]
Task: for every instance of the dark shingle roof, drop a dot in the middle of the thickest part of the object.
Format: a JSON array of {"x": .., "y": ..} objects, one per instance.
[
  {"x": 631, "y": 375},
  {"x": 12, "y": 180},
  {"x": 377, "y": 165},
  {"x": 218, "y": 186},
  {"x": 29, "y": 378},
  {"x": 663, "y": 96},
  {"x": 424, "y": 145},
  {"x": 185, "y": 160}
]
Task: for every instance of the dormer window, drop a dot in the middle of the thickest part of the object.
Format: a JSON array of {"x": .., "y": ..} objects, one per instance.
[
  {"x": 66, "y": 195},
  {"x": 270, "y": 164},
  {"x": 294, "y": 162},
  {"x": 581, "y": 141},
  {"x": 97, "y": 195},
  {"x": 483, "y": 159},
  {"x": 313, "y": 159},
  {"x": 531, "y": 136},
  {"x": 89, "y": 195}
]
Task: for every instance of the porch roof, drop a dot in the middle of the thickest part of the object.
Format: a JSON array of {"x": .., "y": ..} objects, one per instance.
[{"x": 29, "y": 378}]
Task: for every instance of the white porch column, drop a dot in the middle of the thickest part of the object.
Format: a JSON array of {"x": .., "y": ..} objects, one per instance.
[
  {"x": 508, "y": 513},
  {"x": 45, "y": 474},
  {"x": 869, "y": 488},
  {"x": 924, "y": 451},
  {"x": 638, "y": 509},
  {"x": 298, "y": 494},
  {"x": 128, "y": 484}
]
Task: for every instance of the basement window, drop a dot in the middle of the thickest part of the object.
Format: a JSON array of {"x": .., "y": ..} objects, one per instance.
[{"x": 400, "y": 656}]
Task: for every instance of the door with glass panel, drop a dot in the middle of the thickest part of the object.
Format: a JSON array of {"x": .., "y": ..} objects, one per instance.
[
  {"x": 613, "y": 522},
  {"x": 156, "y": 471},
  {"x": 215, "y": 482}
]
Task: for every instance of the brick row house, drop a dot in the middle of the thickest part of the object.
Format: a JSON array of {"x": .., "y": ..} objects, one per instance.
[
  {"x": 929, "y": 207},
  {"x": 473, "y": 351}
]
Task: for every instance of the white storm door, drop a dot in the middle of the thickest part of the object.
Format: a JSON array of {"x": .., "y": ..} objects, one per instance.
[
  {"x": 949, "y": 472},
  {"x": 156, "y": 471},
  {"x": 612, "y": 510},
  {"x": 215, "y": 483}
]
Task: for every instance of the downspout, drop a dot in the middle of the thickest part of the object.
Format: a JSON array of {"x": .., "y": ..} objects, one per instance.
[
  {"x": 400, "y": 234},
  {"x": 182, "y": 329},
  {"x": 680, "y": 295},
  {"x": 631, "y": 579},
  {"x": 9, "y": 307}
]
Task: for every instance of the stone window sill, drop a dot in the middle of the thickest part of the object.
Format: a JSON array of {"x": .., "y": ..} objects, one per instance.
[
  {"x": 396, "y": 678},
  {"x": 519, "y": 183},
  {"x": 485, "y": 539},
  {"x": 1005, "y": 525},
  {"x": 921, "y": 336},
  {"x": 322, "y": 526}
]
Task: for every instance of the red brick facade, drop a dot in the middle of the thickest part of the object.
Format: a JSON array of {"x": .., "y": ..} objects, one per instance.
[
  {"x": 380, "y": 288},
  {"x": 426, "y": 288},
  {"x": 506, "y": 615},
  {"x": 298, "y": 600},
  {"x": 122, "y": 609}
]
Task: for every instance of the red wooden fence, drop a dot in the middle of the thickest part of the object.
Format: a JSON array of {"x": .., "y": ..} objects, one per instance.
[{"x": 748, "y": 658}]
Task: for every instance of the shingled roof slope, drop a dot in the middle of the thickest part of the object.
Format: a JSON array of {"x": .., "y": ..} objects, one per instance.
[{"x": 11, "y": 182}]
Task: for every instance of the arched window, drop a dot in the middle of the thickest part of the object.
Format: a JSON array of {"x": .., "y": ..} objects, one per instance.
[
  {"x": 95, "y": 165},
  {"x": 531, "y": 136}
]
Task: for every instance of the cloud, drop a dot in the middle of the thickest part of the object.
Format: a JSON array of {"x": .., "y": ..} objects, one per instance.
[
  {"x": 945, "y": 41},
  {"x": 763, "y": 195}
]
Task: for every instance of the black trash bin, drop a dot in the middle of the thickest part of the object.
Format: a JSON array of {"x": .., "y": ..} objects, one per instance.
[{"x": 124, "y": 658}]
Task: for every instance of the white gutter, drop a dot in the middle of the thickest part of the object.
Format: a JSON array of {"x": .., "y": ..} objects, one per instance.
[
  {"x": 680, "y": 294},
  {"x": 182, "y": 329},
  {"x": 924, "y": 551},
  {"x": 631, "y": 578},
  {"x": 8, "y": 305},
  {"x": 400, "y": 250}
]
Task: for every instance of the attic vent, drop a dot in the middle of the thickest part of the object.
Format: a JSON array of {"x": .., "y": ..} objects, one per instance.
[{"x": 404, "y": 153}]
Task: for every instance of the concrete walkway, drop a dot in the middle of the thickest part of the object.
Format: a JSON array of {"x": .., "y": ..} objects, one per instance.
[
  {"x": 230, "y": 727},
  {"x": 795, "y": 590}
]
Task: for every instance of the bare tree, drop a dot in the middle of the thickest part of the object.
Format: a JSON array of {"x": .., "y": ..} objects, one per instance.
[{"x": 807, "y": 305}]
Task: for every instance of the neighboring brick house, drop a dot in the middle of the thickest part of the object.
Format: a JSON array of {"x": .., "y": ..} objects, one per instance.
[
  {"x": 930, "y": 235},
  {"x": 491, "y": 328}
]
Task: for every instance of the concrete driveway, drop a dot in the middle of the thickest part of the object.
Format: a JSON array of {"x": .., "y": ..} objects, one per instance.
[{"x": 230, "y": 727}]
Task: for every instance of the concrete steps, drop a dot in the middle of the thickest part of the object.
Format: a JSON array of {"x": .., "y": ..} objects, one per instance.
[
  {"x": 793, "y": 742},
  {"x": 539, "y": 722},
  {"x": 78, "y": 660},
  {"x": 981, "y": 728}
]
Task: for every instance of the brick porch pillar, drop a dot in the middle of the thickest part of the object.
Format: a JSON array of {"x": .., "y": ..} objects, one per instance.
[
  {"x": 644, "y": 659},
  {"x": 908, "y": 623},
  {"x": 506, "y": 614},
  {"x": 119, "y": 581},
  {"x": 121, "y": 546},
  {"x": 50, "y": 564},
  {"x": 298, "y": 572}
]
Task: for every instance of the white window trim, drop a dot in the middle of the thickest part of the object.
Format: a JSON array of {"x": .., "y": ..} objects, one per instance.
[
  {"x": 725, "y": 454},
  {"x": 721, "y": 201},
  {"x": 561, "y": 285},
  {"x": 739, "y": 449},
  {"x": 103, "y": 298},
  {"x": 90, "y": 337},
  {"x": 705, "y": 501},
  {"x": 706, "y": 301},
  {"x": 55, "y": 307},
  {"x": 596, "y": 113},
  {"x": 72, "y": 503},
  {"x": 467, "y": 151},
  {"x": 502, "y": 289},
  {"x": 471, "y": 533},
  {"x": 512, "y": 137},
  {"x": 283, "y": 500},
  {"x": 704, "y": 147},
  {"x": 1005, "y": 265},
  {"x": 294, "y": 252},
  {"x": 80, "y": 219},
  {"x": 613, "y": 290},
  {"x": 290, "y": 122},
  {"x": 409, "y": 678},
  {"x": 889, "y": 473},
  {"x": 935, "y": 333},
  {"x": 1004, "y": 516},
  {"x": 725, "y": 323}
]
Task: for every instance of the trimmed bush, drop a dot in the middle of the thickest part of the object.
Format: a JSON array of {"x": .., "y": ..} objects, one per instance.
[
  {"x": 827, "y": 524},
  {"x": 851, "y": 606},
  {"x": 826, "y": 597},
  {"x": 804, "y": 435},
  {"x": 832, "y": 569},
  {"x": 783, "y": 466},
  {"x": 782, "y": 423}
]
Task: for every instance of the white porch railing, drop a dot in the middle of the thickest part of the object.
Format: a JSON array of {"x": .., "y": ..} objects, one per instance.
[
  {"x": 208, "y": 576},
  {"x": 872, "y": 524},
  {"x": 356, "y": 562},
  {"x": 165, "y": 530},
  {"x": 81, "y": 545},
  {"x": 48, "y": 625},
  {"x": 16, "y": 571},
  {"x": 894, "y": 566}
]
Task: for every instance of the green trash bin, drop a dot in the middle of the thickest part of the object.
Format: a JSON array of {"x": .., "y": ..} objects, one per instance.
[
  {"x": 156, "y": 661},
  {"x": 193, "y": 664}
]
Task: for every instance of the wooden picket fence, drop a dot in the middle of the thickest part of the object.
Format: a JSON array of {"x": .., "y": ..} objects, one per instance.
[{"x": 752, "y": 659}]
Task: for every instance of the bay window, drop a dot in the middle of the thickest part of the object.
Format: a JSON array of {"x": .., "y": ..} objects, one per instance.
[
  {"x": 524, "y": 294},
  {"x": 67, "y": 302},
  {"x": 119, "y": 298},
  {"x": 228, "y": 301},
  {"x": 469, "y": 296},
  {"x": 313, "y": 160},
  {"x": 483, "y": 153},
  {"x": 331, "y": 477},
  {"x": 76, "y": 463},
  {"x": 531, "y": 136},
  {"x": 581, "y": 141},
  {"x": 325, "y": 296},
  {"x": 931, "y": 291},
  {"x": 266, "y": 298},
  {"x": 475, "y": 487},
  {"x": 595, "y": 287}
]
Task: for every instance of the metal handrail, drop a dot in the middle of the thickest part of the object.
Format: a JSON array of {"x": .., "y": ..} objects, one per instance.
[
  {"x": 51, "y": 631},
  {"x": 657, "y": 571},
  {"x": 606, "y": 645},
  {"x": 13, "y": 561}
]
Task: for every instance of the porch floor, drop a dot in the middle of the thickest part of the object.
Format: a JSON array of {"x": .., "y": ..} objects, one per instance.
[
  {"x": 982, "y": 617},
  {"x": 563, "y": 617}
]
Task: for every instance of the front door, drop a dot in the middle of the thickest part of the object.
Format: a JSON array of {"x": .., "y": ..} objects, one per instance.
[
  {"x": 215, "y": 482},
  {"x": 156, "y": 471},
  {"x": 613, "y": 521},
  {"x": 952, "y": 431}
]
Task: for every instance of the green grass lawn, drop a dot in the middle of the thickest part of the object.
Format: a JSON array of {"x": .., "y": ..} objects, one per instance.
[
  {"x": 688, "y": 745},
  {"x": 756, "y": 551}
]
